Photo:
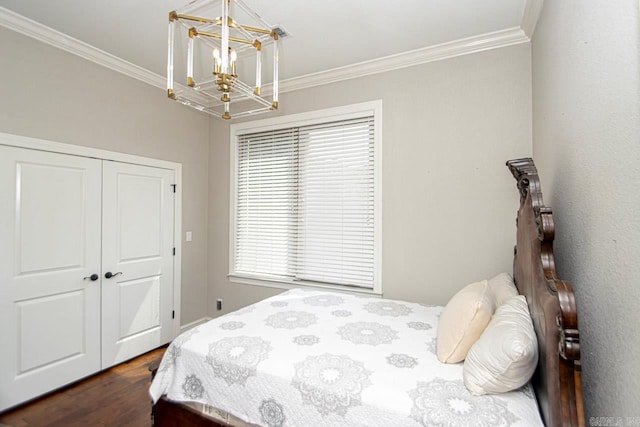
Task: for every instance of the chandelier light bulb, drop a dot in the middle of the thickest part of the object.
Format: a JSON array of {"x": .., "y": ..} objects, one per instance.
[
  {"x": 232, "y": 61},
  {"x": 216, "y": 61}
]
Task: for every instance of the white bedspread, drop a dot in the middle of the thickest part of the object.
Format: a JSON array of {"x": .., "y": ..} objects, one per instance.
[{"x": 307, "y": 358}]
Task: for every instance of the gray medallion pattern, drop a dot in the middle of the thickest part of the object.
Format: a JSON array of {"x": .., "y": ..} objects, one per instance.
[
  {"x": 341, "y": 313},
  {"x": 235, "y": 358},
  {"x": 272, "y": 413},
  {"x": 230, "y": 326},
  {"x": 419, "y": 326},
  {"x": 169, "y": 358},
  {"x": 192, "y": 387},
  {"x": 324, "y": 300},
  {"x": 432, "y": 345},
  {"x": 387, "y": 308},
  {"x": 291, "y": 319},
  {"x": 331, "y": 383},
  {"x": 306, "y": 340},
  {"x": 175, "y": 350},
  {"x": 402, "y": 360},
  {"x": 369, "y": 333},
  {"x": 448, "y": 403},
  {"x": 279, "y": 304}
]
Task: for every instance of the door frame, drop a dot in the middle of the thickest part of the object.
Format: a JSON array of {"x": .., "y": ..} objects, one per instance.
[{"x": 96, "y": 153}]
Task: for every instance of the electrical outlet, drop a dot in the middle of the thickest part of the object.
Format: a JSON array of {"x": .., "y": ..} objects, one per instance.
[{"x": 219, "y": 304}]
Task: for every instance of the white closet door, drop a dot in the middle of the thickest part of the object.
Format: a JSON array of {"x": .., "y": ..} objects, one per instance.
[
  {"x": 50, "y": 240},
  {"x": 137, "y": 245}
]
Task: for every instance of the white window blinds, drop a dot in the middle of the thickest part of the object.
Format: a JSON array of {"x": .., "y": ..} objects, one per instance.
[{"x": 305, "y": 203}]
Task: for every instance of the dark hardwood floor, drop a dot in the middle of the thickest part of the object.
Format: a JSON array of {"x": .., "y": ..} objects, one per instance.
[{"x": 116, "y": 397}]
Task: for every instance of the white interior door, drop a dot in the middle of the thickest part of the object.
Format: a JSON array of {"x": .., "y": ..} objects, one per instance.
[
  {"x": 50, "y": 209},
  {"x": 137, "y": 245}
]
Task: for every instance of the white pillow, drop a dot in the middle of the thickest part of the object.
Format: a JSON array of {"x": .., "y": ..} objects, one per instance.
[
  {"x": 503, "y": 288},
  {"x": 505, "y": 356},
  {"x": 463, "y": 320}
]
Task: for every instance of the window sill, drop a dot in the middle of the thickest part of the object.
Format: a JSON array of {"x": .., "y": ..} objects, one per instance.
[{"x": 280, "y": 284}]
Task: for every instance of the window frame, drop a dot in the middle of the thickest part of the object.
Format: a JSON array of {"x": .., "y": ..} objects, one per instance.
[{"x": 371, "y": 108}]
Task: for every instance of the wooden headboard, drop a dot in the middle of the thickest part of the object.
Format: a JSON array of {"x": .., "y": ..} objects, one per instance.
[{"x": 557, "y": 381}]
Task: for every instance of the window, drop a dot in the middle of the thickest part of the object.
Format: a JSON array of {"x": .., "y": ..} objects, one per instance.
[{"x": 306, "y": 198}]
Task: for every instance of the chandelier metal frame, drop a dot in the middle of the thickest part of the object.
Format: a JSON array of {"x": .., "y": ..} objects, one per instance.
[{"x": 227, "y": 40}]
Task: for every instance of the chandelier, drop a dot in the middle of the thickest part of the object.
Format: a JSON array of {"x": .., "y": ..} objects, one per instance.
[{"x": 220, "y": 56}]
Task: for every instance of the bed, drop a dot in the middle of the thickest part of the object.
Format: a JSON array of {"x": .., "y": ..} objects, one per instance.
[{"x": 307, "y": 357}]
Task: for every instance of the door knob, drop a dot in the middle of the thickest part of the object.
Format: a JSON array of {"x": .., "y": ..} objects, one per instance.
[
  {"x": 109, "y": 275},
  {"x": 93, "y": 277}
]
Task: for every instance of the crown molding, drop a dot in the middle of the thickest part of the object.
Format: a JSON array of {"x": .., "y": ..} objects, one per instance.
[
  {"x": 40, "y": 32},
  {"x": 433, "y": 53},
  {"x": 493, "y": 40},
  {"x": 532, "y": 10}
]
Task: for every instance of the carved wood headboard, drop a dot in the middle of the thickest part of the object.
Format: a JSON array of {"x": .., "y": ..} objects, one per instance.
[{"x": 557, "y": 381}]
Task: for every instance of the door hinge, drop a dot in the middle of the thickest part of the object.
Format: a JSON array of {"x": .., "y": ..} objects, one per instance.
[
  {"x": 174, "y": 187},
  {"x": 173, "y": 314},
  {"x": 174, "y": 251}
]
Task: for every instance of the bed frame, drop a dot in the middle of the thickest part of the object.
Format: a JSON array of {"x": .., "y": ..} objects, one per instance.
[{"x": 557, "y": 380}]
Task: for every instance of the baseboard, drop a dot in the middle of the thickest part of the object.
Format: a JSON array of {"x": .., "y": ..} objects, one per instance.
[{"x": 185, "y": 328}]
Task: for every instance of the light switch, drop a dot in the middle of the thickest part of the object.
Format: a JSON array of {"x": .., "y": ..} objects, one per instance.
[{"x": 188, "y": 236}]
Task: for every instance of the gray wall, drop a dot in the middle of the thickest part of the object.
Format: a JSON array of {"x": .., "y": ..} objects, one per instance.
[
  {"x": 449, "y": 203},
  {"x": 50, "y": 94},
  {"x": 586, "y": 142}
]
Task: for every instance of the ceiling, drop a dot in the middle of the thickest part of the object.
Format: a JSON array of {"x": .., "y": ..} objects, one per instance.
[{"x": 323, "y": 35}]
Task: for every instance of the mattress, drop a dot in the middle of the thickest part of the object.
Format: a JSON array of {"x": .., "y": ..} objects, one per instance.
[{"x": 310, "y": 358}]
